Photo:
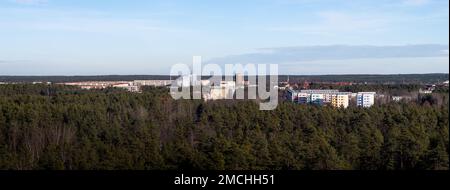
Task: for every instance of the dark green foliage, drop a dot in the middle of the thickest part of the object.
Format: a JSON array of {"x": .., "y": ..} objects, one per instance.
[
  {"x": 383, "y": 79},
  {"x": 373, "y": 79},
  {"x": 57, "y": 127},
  {"x": 393, "y": 89}
]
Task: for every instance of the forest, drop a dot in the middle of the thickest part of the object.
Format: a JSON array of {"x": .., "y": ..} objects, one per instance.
[{"x": 54, "y": 127}]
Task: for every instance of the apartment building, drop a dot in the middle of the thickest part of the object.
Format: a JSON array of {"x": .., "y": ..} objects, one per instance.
[
  {"x": 326, "y": 93},
  {"x": 331, "y": 97},
  {"x": 317, "y": 99},
  {"x": 365, "y": 99},
  {"x": 304, "y": 98},
  {"x": 340, "y": 100}
]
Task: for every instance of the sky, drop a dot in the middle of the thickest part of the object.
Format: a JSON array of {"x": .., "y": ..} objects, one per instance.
[{"x": 102, "y": 37}]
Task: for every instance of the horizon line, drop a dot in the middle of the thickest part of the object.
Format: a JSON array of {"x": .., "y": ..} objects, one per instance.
[{"x": 224, "y": 75}]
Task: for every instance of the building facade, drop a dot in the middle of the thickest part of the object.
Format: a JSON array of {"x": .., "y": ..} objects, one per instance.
[
  {"x": 365, "y": 99},
  {"x": 304, "y": 98},
  {"x": 317, "y": 99},
  {"x": 155, "y": 83},
  {"x": 340, "y": 100}
]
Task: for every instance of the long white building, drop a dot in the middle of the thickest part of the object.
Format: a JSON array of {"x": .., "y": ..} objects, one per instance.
[{"x": 152, "y": 82}]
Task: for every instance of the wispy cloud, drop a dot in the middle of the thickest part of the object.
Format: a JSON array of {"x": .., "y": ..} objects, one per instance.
[
  {"x": 79, "y": 21},
  {"x": 31, "y": 2},
  {"x": 99, "y": 25},
  {"x": 332, "y": 22},
  {"x": 334, "y": 52}
]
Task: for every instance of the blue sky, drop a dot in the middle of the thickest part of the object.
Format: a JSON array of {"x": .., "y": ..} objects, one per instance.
[{"x": 81, "y": 37}]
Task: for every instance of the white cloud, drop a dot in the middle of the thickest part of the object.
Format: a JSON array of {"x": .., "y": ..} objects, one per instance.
[
  {"x": 445, "y": 52},
  {"x": 335, "y": 52},
  {"x": 334, "y": 23},
  {"x": 78, "y": 21}
]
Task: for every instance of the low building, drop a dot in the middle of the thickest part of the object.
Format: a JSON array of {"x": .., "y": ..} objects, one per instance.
[
  {"x": 89, "y": 85},
  {"x": 401, "y": 98},
  {"x": 425, "y": 91},
  {"x": 127, "y": 86},
  {"x": 155, "y": 83}
]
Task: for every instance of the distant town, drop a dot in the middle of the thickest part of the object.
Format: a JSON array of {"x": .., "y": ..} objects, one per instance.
[{"x": 295, "y": 92}]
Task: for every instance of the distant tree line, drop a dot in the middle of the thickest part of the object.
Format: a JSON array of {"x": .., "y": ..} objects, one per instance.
[
  {"x": 394, "y": 89},
  {"x": 373, "y": 79},
  {"x": 64, "y": 128},
  {"x": 376, "y": 79}
]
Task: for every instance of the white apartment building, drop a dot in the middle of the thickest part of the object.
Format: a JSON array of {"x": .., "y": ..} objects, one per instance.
[
  {"x": 327, "y": 94},
  {"x": 365, "y": 99},
  {"x": 315, "y": 97}
]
